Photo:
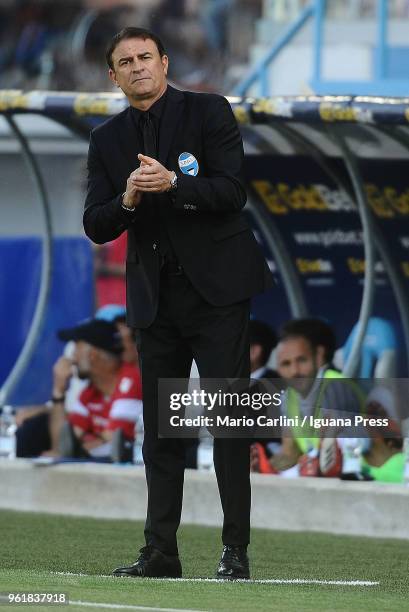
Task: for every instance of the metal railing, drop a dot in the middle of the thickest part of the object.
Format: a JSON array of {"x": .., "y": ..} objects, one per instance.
[{"x": 316, "y": 11}]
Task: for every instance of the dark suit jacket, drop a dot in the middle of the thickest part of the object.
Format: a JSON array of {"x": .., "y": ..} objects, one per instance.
[{"x": 208, "y": 231}]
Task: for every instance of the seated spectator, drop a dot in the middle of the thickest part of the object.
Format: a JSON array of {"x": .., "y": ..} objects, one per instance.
[
  {"x": 39, "y": 428},
  {"x": 115, "y": 313},
  {"x": 304, "y": 354},
  {"x": 110, "y": 403},
  {"x": 74, "y": 384}
]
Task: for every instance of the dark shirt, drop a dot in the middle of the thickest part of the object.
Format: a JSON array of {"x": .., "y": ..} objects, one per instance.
[
  {"x": 166, "y": 250},
  {"x": 155, "y": 112}
]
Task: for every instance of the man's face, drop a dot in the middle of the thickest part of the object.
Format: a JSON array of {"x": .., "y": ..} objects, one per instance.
[
  {"x": 139, "y": 70},
  {"x": 297, "y": 361},
  {"x": 81, "y": 359}
]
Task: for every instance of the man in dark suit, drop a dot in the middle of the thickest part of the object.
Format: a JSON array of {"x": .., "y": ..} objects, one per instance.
[{"x": 167, "y": 170}]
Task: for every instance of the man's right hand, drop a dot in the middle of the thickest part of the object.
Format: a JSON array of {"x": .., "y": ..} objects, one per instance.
[{"x": 132, "y": 196}]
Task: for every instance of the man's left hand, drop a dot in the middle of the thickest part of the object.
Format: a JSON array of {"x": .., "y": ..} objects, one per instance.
[{"x": 152, "y": 176}]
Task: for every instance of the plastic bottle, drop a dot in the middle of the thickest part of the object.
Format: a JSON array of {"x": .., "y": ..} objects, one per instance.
[
  {"x": 205, "y": 451},
  {"x": 137, "y": 447},
  {"x": 7, "y": 433},
  {"x": 351, "y": 456}
]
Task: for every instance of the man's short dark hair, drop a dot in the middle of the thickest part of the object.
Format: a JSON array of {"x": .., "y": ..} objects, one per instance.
[
  {"x": 315, "y": 331},
  {"x": 262, "y": 334},
  {"x": 132, "y": 32}
]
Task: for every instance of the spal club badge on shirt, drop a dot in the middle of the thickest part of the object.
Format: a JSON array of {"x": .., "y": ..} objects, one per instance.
[{"x": 188, "y": 164}]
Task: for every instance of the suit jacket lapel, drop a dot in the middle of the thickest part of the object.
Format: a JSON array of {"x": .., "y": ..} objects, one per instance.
[
  {"x": 171, "y": 116},
  {"x": 128, "y": 135}
]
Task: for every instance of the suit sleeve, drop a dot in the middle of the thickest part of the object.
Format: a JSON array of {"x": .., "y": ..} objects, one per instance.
[
  {"x": 221, "y": 190},
  {"x": 104, "y": 218}
]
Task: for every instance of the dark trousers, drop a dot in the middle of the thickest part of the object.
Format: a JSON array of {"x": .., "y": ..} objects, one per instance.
[{"x": 187, "y": 327}]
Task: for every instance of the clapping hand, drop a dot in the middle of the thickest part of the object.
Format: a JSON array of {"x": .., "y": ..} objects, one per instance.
[{"x": 151, "y": 176}]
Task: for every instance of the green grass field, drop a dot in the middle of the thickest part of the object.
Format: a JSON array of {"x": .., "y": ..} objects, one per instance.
[{"x": 34, "y": 548}]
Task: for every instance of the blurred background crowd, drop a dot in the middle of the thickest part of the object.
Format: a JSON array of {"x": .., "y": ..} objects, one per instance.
[{"x": 60, "y": 45}]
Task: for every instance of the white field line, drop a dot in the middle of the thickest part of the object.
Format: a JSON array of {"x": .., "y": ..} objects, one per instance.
[
  {"x": 261, "y": 581},
  {"x": 90, "y": 604}
]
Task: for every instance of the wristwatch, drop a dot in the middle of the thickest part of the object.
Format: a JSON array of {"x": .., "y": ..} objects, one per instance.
[{"x": 174, "y": 182}]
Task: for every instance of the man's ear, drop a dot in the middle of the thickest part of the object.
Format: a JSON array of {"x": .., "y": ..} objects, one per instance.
[
  {"x": 111, "y": 74},
  {"x": 165, "y": 64}
]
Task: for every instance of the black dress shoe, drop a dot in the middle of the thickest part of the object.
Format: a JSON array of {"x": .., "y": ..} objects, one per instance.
[
  {"x": 234, "y": 563},
  {"x": 152, "y": 563}
]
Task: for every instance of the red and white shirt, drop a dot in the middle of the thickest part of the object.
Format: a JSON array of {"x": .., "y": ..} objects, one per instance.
[{"x": 94, "y": 412}]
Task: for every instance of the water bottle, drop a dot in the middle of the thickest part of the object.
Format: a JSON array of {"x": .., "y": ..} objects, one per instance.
[
  {"x": 205, "y": 452},
  {"x": 137, "y": 447},
  {"x": 351, "y": 456},
  {"x": 7, "y": 433}
]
